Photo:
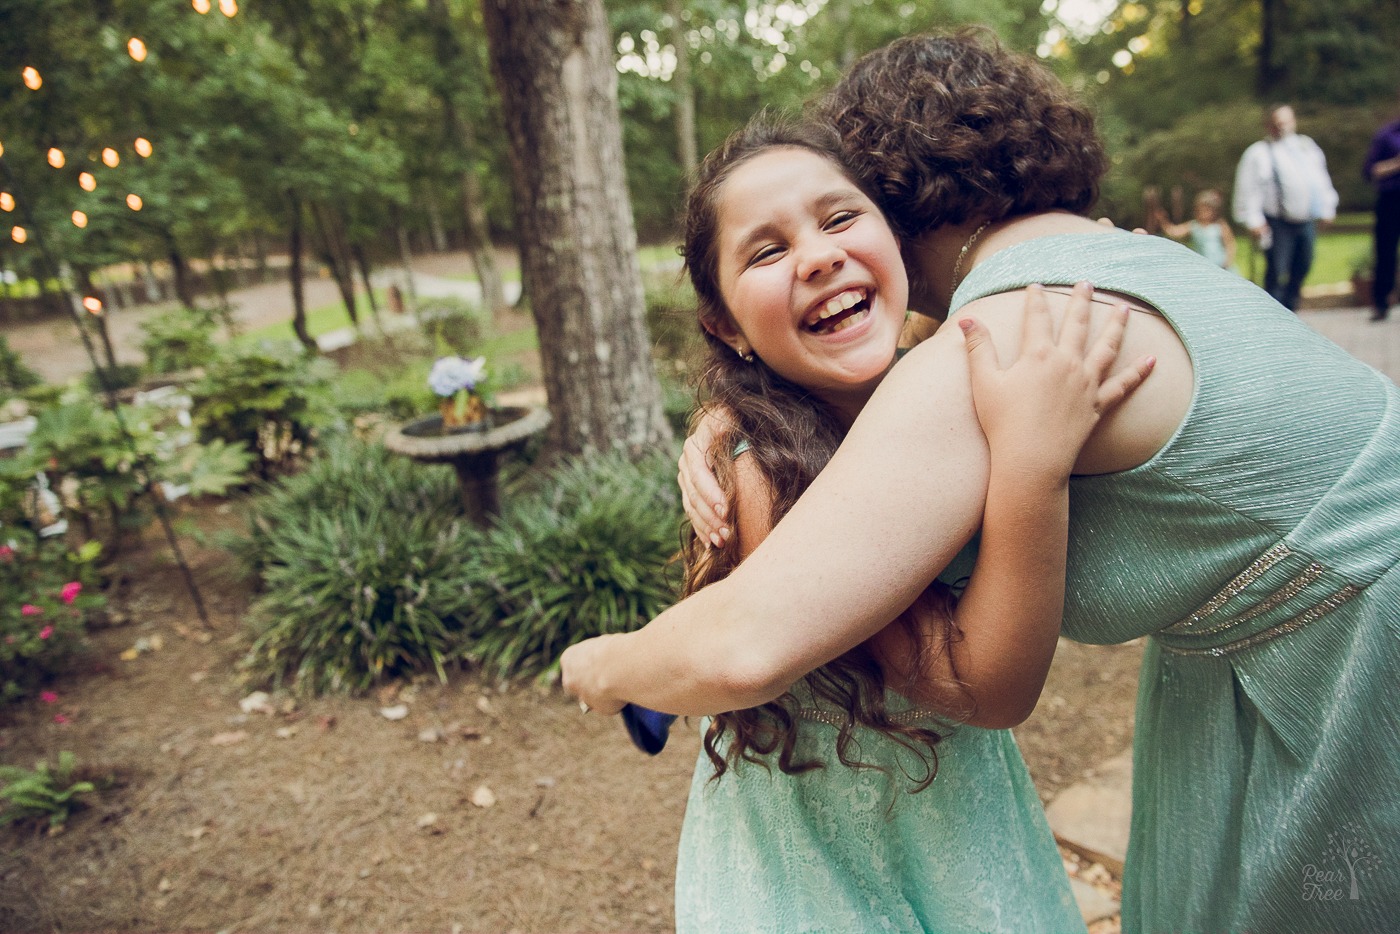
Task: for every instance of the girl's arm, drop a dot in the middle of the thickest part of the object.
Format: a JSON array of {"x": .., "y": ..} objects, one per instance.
[
  {"x": 1227, "y": 236},
  {"x": 851, "y": 555},
  {"x": 1036, "y": 415}
]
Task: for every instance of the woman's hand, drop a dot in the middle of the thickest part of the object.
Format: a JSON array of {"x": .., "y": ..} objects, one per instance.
[
  {"x": 705, "y": 503},
  {"x": 580, "y": 668},
  {"x": 1040, "y": 409}
]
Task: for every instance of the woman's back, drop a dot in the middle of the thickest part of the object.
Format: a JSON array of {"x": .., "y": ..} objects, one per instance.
[{"x": 1258, "y": 550}]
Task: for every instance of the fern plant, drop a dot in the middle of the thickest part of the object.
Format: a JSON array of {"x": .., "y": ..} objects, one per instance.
[
  {"x": 586, "y": 555},
  {"x": 38, "y": 793}
]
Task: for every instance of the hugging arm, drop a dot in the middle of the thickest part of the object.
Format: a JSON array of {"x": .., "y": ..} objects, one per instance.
[{"x": 858, "y": 548}]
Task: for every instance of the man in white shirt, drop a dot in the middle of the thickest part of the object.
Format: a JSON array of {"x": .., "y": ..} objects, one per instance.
[{"x": 1282, "y": 191}]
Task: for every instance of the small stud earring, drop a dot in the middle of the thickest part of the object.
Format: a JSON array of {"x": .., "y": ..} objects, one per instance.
[{"x": 745, "y": 355}]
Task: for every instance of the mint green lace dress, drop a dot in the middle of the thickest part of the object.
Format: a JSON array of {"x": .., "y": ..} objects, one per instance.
[
  {"x": 1258, "y": 550},
  {"x": 850, "y": 850}
]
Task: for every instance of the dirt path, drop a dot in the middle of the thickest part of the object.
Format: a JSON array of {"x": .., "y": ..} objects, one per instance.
[{"x": 53, "y": 350}]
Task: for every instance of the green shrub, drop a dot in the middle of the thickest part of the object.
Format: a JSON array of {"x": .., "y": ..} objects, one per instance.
[
  {"x": 585, "y": 555},
  {"x": 178, "y": 340},
  {"x": 671, "y": 321},
  {"x": 47, "y": 594},
  {"x": 271, "y": 398},
  {"x": 121, "y": 376},
  {"x": 451, "y": 324},
  {"x": 365, "y": 559},
  {"x": 15, "y": 377},
  {"x": 41, "y": 793}
]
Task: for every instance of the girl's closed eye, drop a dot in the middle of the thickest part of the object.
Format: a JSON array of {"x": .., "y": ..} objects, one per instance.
[
  {"x": 769, "y": 252},
  {"x": 841, "y": 219}
]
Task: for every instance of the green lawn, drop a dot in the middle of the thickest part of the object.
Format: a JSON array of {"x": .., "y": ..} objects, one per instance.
[
  {"x": 320, "y": 320},
  {"x": 1337, "y": 252}
]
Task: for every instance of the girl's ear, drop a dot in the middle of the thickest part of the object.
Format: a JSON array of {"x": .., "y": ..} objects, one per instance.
[{"x": 724, "y": 328}]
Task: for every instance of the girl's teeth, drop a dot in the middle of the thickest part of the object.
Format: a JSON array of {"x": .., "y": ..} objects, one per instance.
[{"x": 842, "y": 325}]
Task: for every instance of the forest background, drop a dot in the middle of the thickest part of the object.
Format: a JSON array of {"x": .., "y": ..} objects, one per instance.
[{"x": 366, "y": 127}]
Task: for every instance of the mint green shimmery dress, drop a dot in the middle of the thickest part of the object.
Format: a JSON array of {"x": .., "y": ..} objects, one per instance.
[
  {"x": 1258, "y": 550},
  {"x": 849, "y": 850}
]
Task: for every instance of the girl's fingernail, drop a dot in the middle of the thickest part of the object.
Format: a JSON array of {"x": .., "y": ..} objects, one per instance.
[
  {"x": 1150, "y": 361},
  {"x": 715, "y": 540},
  {"x": 965, "y": 324},
  {"x": 721, "y": 509},
  {"x": 724, "y": 533},
  {"x": 1084, "y": 285}
]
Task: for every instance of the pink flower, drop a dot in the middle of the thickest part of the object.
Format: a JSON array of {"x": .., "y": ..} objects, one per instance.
[
  {"x": 45, "y": 632},
  {"x": 60, "y": 718},
  {"x": 71, "y": 591},
  {"x": 7, "y": 552},
  {"x": 30, "y": 609},
  {"x": 48, "y": 697}
]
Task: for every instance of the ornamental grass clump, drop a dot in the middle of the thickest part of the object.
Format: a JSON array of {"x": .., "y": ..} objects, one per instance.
[
  {"x": 586, "y": 554},
  {"x": 366, "y": 564}
]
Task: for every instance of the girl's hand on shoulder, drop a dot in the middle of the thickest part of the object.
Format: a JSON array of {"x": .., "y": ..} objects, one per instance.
[
  {"x": 580, "y": 674},
  {"x": 705, "y": 503},
  {"x": 1038, "y": 411}
]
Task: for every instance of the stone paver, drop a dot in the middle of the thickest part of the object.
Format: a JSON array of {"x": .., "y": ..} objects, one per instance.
[
  {"x": 1093, "y": 904},
  {"x": 1091, "y": 817}
]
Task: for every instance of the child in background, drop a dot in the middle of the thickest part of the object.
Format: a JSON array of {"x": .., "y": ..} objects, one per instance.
[{"x": 1207, "y": 233}]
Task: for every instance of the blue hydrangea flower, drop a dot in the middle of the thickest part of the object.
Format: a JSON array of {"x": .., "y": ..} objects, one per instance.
[{"x": 451, "y": 375}]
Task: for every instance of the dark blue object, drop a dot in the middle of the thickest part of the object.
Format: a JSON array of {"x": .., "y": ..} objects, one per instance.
[{"x": 648, "y": 728}]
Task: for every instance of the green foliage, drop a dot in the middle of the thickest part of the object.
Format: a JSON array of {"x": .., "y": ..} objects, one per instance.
[
  {"x": 41, "y": 793},
  {"x": 121, "y": 376},
  {"x": 365, "y": 561},
  {"x": 671, "y": 316},
  {"x": 270, "y": 398},
  {"x": 584, "y": 555},
  {"x": 452, "y": 325},
  {"x": 177, "y": 340},
  {"x": 15, "y": 377},
  {"x": 47, "y": 594}
]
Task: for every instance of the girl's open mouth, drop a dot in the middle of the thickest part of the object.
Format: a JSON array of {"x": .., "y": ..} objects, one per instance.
[{"x": 839, "y": 312}]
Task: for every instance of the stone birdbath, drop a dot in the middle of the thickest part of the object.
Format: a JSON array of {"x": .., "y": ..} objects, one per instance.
[{"x": 474, "y": 451}]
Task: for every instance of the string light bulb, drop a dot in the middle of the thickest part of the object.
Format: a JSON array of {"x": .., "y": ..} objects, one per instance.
[
  {"x": 19, "y": 234},
  {"x": 32, "y": 79},
  {"x": 86, "y": 181},
  {"x": 93, "y": 304},
  {"x": 56, "y": 158},
  {"x": 79, "y": 219},
  {"x": 142, "y": 147},
  {"x": 201, "y": 6},
  {"x": 110, "y": 158},
  {"x": 136, "y": 49},
  {"x": 7, "y": 201},
  {"x": 228, "y": 7},
  {"x": 134, "y": 202}
]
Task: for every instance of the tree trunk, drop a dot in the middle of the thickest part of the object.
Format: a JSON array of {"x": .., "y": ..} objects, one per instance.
[
  {"x": 295, "y": 272},
  {"x": 685, "y": 96},
  {"x": 1269, "y": 11},
  {"x": 179, "y": 271},
  {"x": 553, "y": 64},
  {"x": 341, "y": 270}
]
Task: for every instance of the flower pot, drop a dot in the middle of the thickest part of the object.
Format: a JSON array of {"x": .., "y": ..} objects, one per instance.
[{"x": 459, "y": 413}]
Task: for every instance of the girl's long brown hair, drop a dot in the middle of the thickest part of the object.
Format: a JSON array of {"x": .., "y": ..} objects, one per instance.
[{"x": 791, "y": 434}]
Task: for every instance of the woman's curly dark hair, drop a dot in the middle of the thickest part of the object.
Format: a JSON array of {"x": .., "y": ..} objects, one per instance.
[
  {"x": 791, "y": 435},
  {"x": 950, "y": 128}
]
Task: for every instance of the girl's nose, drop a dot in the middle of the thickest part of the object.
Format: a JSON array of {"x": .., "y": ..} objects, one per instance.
[{"x": 819, "y": 256}]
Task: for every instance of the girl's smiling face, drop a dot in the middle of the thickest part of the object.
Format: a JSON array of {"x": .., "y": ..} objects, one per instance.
[{"x": 811, "y": 274}]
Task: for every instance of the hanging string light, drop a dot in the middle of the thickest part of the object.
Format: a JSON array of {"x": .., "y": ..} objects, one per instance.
[
  {"x": 7, "y": 201},
  {"x": 136, "y": 49},
  {"x": 86, "y": 181},
  {"x": 19, "y": 234},
  {"x": 32, "y": 78},
  {"x": 79, "y": 219},
  {"x": 201, "y": 6},
  {"x": 134, "y": 202},
  {"x": 110, "y": 158},
  {"x": 142, "y": 146},
  {"x": 228, "y": 7},
  {"x": 93, "y": 304},
  {"x": 56, "y": 158}
]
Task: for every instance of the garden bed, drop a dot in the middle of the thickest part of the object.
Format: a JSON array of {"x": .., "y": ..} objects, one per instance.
[{"x": 326, "y": 815}]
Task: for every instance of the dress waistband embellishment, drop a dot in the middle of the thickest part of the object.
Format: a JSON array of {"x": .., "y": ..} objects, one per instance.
[{"x": 1203, "y": 622}]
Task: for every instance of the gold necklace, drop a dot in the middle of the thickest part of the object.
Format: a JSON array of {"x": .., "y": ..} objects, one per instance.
[{"x": 962, "y": 255}]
